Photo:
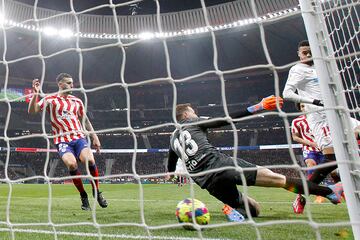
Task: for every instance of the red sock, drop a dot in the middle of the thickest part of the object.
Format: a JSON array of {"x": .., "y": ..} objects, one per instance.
[
  {"x": 77, "y": 181},
  {"x": 95, "y": 173},
  {"x": 309, "y": 176}
]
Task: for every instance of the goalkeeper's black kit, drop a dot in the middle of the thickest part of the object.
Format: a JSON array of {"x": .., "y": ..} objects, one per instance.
[{"x": 192, "y": 145}]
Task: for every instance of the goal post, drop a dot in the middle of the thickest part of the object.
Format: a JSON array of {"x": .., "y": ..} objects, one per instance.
[{"x": 326, "y": 54}]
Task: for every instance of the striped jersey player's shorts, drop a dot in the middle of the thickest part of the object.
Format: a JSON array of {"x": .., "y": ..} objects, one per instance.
[
  {"x": 73, "y": 147},
  {"x": 317, "y": 156}
]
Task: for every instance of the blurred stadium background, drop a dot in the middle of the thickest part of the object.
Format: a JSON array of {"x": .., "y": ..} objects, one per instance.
[{"x": 150, "y": 103}]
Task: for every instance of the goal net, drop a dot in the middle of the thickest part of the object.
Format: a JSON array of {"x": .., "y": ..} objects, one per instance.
[
  {"x": 333, "y": 31},
  {"x": 132, "y": 62}
]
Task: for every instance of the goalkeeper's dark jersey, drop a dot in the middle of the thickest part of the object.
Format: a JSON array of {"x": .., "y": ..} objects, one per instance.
[
  {"x": 192, "y": 145},
  {"x": 196, "y": 146}
]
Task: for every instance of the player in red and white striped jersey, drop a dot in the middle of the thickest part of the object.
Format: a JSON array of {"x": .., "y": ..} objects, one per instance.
[
  {"x": 312, "y": 155},
  {"x": 302, "y": 134},
  {"x": 66, "y": 117}
]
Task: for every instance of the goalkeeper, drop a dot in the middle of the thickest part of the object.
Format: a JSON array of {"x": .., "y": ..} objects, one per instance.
[{"x": 190, "y": 143}]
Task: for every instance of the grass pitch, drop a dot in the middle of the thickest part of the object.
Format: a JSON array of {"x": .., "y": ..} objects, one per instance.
[{"x": 31, "y": 217}]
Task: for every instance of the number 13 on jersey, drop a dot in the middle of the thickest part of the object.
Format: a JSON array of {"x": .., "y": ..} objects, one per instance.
[{"x": 185, "y": 145}]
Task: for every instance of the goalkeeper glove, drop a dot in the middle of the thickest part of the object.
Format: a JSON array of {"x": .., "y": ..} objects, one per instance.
[
  {"x": 318, "y": 102},
  {"x": 268, "y": 103}
]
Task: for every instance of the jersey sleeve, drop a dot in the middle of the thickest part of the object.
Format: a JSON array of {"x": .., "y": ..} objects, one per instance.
[
  {"x": 221, "y": 123},
  {"x": 294, "y": 128},
  {"x": 295, "y": 78},
  {"x": 172, "y": 160},
  {"x": 81, "y": 109}
]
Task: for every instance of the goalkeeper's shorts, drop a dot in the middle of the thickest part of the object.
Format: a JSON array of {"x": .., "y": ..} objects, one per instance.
[{"x": 223, "y": 184}]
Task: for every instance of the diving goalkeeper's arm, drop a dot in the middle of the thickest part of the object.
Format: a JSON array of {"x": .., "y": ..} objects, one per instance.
[{"x": 268, "y": 103}]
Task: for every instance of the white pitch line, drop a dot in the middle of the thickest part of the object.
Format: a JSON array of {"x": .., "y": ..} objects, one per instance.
[
  {"x": 124, "y": 236},
  {"x": 145, "y": 200}
]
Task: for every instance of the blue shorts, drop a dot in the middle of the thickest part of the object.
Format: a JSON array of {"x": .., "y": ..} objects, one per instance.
[
  {"x": 73, "y": 147},
  {"x": 318, "y": 157}
]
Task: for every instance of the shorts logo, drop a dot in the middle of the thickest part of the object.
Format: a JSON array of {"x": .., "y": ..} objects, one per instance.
[{"x": 62, "y": 147}]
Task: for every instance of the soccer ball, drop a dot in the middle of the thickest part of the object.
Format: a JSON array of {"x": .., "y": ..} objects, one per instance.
[{"x": 184, "y": 212}]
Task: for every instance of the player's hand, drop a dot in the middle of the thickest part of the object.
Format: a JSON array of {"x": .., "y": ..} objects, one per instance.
[
  {"x": 96, "y": 144},
  {"x": 36, "y": 86},
  {"x": 313, "y": 144},
  {"x": 269, "y": 103}
]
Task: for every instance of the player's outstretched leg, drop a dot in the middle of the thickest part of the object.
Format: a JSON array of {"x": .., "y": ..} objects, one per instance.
[{"x": 267, "y": 178}]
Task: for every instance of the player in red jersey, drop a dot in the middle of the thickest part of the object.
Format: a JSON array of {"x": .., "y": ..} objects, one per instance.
[
  {"x": 66, "y": 117},
  {"x": 312, "y": 155}
]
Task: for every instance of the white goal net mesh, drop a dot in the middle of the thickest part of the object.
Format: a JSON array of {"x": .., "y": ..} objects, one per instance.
[{"x": 137, "y": 78}]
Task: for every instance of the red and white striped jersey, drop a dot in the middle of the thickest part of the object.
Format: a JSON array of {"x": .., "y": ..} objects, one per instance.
[
  {"x": 65, "y": 114},
  {"x": 300, "y": 126}
]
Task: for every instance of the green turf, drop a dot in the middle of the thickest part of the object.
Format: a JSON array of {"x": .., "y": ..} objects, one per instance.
[{"x": 29, "y": 204}]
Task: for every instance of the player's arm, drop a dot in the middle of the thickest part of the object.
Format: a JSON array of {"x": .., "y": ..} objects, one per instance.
[
  {"x": 88, "y": 126},
  {"x": 171, "y": 163},
  {"x": 290, "y": 92},
  {"x": 172, "y": 160},
  {"x": 297, "y": 138},
  {"x": 33, "y": 105},
  {"x": 95, "y": 140},
  {"x": 268, "y": 103}
]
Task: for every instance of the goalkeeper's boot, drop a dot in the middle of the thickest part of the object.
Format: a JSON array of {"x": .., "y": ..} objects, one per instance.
[
  {"x": 335, "y": 196},
  {"x": 232, "y": 215},
  {"x": 299, "y": 204},
  {"x": 85, "y": 204},
  {"x": 100, "y": 199}
]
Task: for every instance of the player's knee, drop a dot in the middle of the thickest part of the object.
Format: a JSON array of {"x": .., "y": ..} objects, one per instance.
[
  {"x": 87, "y": 155},
  {"x": 310, "y": 162},
  {"x": 72, "y": 166},
  {"x": 254, "y": 207},
  {"x": 255, "y": 211}
]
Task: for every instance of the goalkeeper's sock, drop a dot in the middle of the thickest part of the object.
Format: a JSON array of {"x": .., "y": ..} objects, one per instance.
[
  {"x": 295, "y": 185},
  {"x": 95, "y": 173},
  {"x": 77, "y": 181}
]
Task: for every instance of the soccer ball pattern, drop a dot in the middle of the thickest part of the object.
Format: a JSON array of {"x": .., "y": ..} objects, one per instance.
[{"x": 184, "y": 212}]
